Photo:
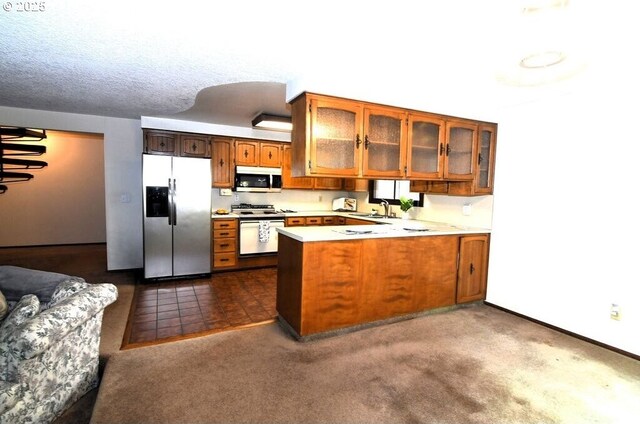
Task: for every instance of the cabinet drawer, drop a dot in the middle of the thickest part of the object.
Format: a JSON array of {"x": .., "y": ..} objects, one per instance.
[
  {"x": 313, "y": 220},
  {"x": 221, "y": 260},
  {"x": 222, "y": 224},
  {"x": 292, "y": 222},
  {"x": 219, "y": 234},
  {"x": 224, "y": 245}
]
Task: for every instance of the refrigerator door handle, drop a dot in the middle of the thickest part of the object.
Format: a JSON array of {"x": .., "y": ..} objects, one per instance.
[
  {"x": 170, "y": 198},
  {"x": 175, "y": 212}
]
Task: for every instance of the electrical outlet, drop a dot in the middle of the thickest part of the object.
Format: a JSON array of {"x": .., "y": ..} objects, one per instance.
[
  {"x": 320, "y": 198},
  {"x": 236, "y": 197},
  {"x": 614, "y": 313},
  {"x": 466, "y": 209}
]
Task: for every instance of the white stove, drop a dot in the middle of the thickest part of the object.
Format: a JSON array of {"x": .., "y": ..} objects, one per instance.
[
  {"x": 249, "y": 211},
  {"x": 258, "y": 223}
]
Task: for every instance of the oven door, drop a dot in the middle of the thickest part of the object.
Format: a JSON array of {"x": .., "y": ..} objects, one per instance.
[{"x": 259, "y": 236}]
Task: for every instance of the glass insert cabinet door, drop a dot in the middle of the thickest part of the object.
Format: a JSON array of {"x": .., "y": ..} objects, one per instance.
[
  {"x": 486, "y": 158},
  {"x": 460, "y": 150},
  {"x": 336, "y": 137},
  {"x": 425, "y": 157},
  {"x": 384, "y": 143}
]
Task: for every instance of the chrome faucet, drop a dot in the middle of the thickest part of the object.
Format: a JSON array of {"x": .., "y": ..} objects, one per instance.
[{"x": 385, "y": 204}]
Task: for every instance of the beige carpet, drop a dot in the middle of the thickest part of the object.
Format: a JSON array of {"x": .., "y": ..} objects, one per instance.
[{"x": 471, "y": 365}]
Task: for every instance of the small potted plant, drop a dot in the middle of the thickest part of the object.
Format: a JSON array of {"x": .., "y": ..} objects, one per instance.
[{"x": 405, "y": 205}]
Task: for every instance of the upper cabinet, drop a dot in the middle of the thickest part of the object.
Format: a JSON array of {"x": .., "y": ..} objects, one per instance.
[
  {"x": 195, "y": 145},
  {"x": 345, "y": 138},
  {"x": 222, "y": 162},
  {"x": 171, "y": 143},
  {"x": 425, "y": 158},
  {"x": 335, "y": 137},
  {"x": 258, "y": 153},
  {"x": 307, "y": 183},
  {"x": 160, "y": 142},
  {"x": 460, "y": 150},
  {"x": 385, "y": 143},
  {"x": 487, "y": 136}
]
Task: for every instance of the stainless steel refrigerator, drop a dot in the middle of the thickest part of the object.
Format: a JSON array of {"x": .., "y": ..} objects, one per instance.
[{"x": 177, "y": 215}]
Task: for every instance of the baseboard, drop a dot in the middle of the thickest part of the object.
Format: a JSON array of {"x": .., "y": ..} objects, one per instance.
[{"x": 567, "y": 332}]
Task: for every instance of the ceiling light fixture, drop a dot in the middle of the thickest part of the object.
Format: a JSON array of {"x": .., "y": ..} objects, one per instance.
[
  {"x": 543, "y": 59},
  {"x": 272, "y": 122}
]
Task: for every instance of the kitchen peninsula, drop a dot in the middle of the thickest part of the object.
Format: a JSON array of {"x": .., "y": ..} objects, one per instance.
[{"x": 332, "y": 278}]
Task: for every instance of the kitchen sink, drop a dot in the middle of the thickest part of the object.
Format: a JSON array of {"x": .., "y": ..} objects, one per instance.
[{"x": 370, "y": 215}]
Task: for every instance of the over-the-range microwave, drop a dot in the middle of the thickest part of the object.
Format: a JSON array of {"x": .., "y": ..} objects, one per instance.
[{"x": 258, "y": 179}]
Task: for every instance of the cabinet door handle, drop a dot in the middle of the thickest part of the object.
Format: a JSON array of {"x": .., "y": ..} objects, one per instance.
[
  {"x": 479, "y": 158},
  {"x": 366, "y": 142},
  {"x": 224, "y": 234},
  {"x": 448, "y": 149},
  {"x": 224, "y": 245},
  {"x": 246, "y": 153},
  {"x": 441, "y": 149},
  {"x": 471, "y": 268},
  {"x": 358, "y": 141},
  {"x": 270, "y": 155},
  {"x": 221, "y": 162},
  {"x": 194, "y": 147}
]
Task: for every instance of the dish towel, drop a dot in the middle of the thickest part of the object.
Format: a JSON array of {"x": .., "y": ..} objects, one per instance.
[{"x": 263, "y": 231}]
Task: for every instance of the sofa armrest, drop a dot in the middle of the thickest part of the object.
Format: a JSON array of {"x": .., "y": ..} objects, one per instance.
[{"x": 53, "y": 324}]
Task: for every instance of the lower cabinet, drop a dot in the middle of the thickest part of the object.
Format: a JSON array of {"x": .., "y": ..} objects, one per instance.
[
  {"x": 325, "y": 286},
  {"x": 225, "y": 243},
  {"x": 472, "y": 268}
]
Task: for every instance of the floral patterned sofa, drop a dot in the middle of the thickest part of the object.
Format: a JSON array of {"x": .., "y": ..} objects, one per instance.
[{"x": 49, "y": 342}]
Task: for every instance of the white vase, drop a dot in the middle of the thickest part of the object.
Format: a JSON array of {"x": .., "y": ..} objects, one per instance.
[{"x": 405, "y": 215}]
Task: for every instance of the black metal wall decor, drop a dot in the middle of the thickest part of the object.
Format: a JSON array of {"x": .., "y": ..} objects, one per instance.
[{"x": 12, "y": 151}]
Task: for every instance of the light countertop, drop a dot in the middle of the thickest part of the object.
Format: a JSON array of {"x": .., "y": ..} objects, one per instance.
[{"x": 399, "y": 228}]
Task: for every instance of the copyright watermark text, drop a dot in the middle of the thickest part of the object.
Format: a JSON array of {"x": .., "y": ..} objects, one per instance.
[{"x": 23, "y": 6}]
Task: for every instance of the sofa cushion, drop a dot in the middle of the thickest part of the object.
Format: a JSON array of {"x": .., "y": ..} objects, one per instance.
[
  {"x": 16, "y": 282},
  {"x": 26, "y": 308},
  {"x": 67, "y": 288},
  {"x": 4, "y": 307}
]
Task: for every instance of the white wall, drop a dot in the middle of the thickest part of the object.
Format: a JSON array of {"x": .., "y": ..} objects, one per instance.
[
  {"x": 64, "y": 202},
  {"x": 563, "y": 242},
  {"x": 122, "y": 174}
]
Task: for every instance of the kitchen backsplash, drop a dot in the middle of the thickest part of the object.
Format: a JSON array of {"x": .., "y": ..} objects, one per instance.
[{"x": 468, "y": 211}]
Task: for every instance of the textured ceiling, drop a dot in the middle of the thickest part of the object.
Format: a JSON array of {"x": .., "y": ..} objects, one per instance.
[{"x": 225, "y": 62}]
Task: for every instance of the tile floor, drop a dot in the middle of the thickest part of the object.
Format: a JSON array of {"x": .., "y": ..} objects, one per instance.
[{"x": 166, "y": 311}]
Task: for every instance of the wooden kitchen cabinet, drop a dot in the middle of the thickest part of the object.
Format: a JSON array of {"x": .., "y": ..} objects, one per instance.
[
  {"x": 472, "y": 269},
  {"x": 222, "y": 162},
  {"x": 160, "y": 142},
  {"x": 482, "y": 181},
  {"x": 460, "y": 150},
  {"x": 287, "y": 180},
  {"x": 355, "y": 184},
  {"x": 224, "y": 243},
  {"x": 195, "y": 145},
  {"x": 295, "y": 221},
  {"x": 305, "y": 183},
  {"x": 330, "y": 285},
  {"x": 425, "y": 157},
  {"x": 487, "y": 143},
  {"x": 347, "y": 138},
  {"x": 271, "y": 154},
  {"x": 247, "y": 153},
  {"x": 258, "y": 153}
]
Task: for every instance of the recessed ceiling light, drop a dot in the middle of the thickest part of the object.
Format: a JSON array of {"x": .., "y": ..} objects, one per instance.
[{"x": 542, "y": 59}]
